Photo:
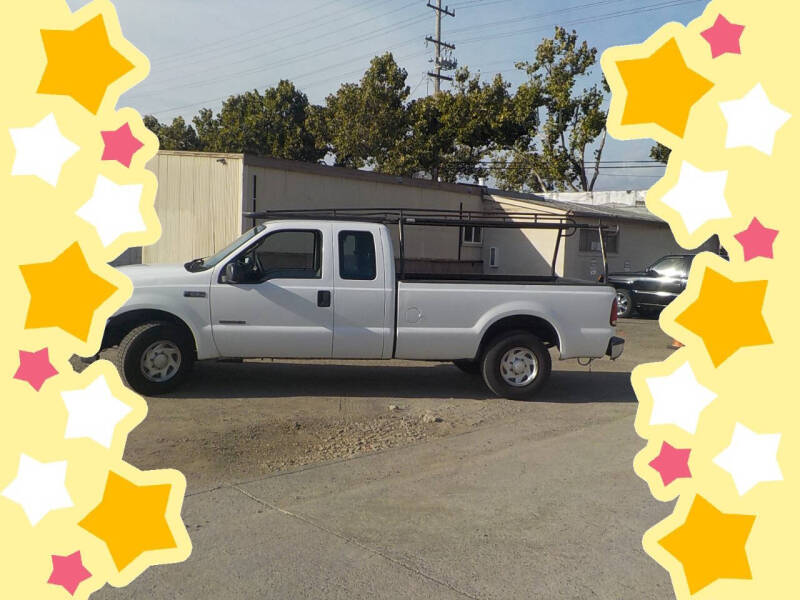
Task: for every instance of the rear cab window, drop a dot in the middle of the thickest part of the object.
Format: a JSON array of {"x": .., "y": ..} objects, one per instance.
[{"x": 357, "y": 256}]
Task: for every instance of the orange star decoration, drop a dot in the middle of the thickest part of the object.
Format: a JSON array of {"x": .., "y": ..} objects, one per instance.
[
  {"x": 131, "y": 519},
  {"x": 81, "y": 63},
  {"x": 710, "y": 545},
  {"x": 661, "y": 89},
  {"x": 65, "y": 293},
  {"x": 727, "y": 315}
]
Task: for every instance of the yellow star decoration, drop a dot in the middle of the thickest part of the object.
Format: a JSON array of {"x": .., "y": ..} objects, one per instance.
[
  {"x": 81, "y": 63},
  {"x": 65, "y": 293},
  {"x": 727, "y": 315},
  {"x": 710, "y": 545},
  {"x": 131, "y": 519},
  {"x": 661, "y": 89}
]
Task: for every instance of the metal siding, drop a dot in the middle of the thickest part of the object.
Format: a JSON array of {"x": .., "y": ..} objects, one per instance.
[{"x": 199, "y": 203}]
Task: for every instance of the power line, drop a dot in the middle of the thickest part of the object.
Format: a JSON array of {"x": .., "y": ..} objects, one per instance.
[
  {"x": 379, "y": 33},
  {"x": 239, "y": 38},
  {"x": 592, "y": 19},
  {"x": 607, "y": 16}
]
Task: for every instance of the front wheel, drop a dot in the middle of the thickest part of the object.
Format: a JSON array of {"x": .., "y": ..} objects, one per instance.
[
  {"x": 155, "y": 358},
  {"x": 516, "y": 366}
]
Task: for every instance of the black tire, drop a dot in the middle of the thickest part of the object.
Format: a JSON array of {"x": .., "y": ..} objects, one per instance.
[
  {"x": 129, "y": 361},
  {"x": 493, "y": 366},
  {"x": 624, "y": 304},
  {"x": 472, "y": 367}
]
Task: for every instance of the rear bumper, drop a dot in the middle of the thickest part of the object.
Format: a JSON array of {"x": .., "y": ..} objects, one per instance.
[{"x": 615, "y": 347}]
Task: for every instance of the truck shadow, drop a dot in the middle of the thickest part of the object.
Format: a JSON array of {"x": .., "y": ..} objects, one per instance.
[{"x": 287, "y": 380}]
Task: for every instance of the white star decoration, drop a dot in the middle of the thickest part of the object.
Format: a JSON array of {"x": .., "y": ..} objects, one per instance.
[
  {"x": 39, "y": 487},
  {"x": 94, "y": 412},
  {"x": 699, "y": 196},
  {"x": 751, "y": 458},
  {"x": 678, "y": 399},
  {"x": 113, "y": 210},
  {"x": 41, "y": 150},
  {"x": 753, "y": 121}
]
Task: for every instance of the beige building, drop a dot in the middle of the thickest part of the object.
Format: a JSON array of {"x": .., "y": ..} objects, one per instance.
[{"x": 202, "y": 197}]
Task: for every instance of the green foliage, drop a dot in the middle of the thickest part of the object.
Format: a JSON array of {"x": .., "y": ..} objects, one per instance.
[
  {"x": 362, "y": 123},
  {"x": 450, "y": 134},
  {"x": 553, "y": 156},
  {"x": 274, "y": 124},
  {"x": 660, "y": 152},
  {"x": 178, "y": 136}
]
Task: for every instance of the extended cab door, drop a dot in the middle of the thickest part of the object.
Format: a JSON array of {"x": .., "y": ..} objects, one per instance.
[
  {"x": 361, "y": 289},
  {"x": 280, "y": 304}
]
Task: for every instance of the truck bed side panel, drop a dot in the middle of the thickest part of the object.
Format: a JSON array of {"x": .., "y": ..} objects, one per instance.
[{"x": 447, "y": 321}]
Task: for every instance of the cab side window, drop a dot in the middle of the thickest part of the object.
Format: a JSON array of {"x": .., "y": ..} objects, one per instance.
[
  {"x": 357, "y": 255},
  {"x": 290, "y": 254}
]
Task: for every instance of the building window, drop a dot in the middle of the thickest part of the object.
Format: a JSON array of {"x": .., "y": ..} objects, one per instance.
[
  {"x": 590, "y": 241},
  {"x": 357, "y": 255},
  {"x": 473, "y": 235}
]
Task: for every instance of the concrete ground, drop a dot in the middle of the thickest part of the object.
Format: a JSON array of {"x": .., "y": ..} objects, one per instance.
[{"x": 498, "y": 500}]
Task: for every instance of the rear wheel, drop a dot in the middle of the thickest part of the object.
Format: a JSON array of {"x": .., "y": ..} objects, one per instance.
[
  {"x": 471, "y": 367},
  {"x": 516, "y": 365},
  {"x": 624, "y": 304},
  {"x": 155, "y": 358}
]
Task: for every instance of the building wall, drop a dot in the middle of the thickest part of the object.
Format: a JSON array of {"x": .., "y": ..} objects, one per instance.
[
  {"x": 530, "y": 252},
  {"x": 281, "y": 185},
  {"x": 199, "y": 204},
  {"x": 628, "y": 197},
  {"x": 640, "y": 244},
  {"x": 521, "y": 251}
]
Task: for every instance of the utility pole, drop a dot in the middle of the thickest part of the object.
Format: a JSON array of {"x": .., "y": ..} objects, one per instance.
[{"x": 446, "y": 63}]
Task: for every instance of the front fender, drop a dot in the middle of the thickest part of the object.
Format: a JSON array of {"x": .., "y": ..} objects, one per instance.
[{"x": 194, "y": 312}]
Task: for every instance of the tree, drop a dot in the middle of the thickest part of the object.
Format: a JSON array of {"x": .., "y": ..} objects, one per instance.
[
  {"x": 362, "y": 123},
  {"x": 273, "y": 124},
  {"x": 553, "y": 155},
  {"x": 660, "y": 152},
  {"x": 451, "y": 133},
  {"x": 177, "y": 136}
]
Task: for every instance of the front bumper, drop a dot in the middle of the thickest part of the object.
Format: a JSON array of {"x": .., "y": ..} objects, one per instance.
[{"x": 615, "y": 347}]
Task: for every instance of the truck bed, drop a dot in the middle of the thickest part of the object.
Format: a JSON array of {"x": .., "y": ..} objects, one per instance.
[
  {"x": 492, "y": 279},
  {"x": 444, "y": 317}
]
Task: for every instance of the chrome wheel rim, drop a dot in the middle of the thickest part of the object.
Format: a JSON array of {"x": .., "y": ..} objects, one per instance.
[
  {"x": 519, "y": 366},
  {"x": 622, "y": 303},
  {"x": 161, "y": 361}
]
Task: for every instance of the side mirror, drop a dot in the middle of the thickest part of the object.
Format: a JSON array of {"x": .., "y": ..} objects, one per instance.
[{"x": 232, "y": 273}]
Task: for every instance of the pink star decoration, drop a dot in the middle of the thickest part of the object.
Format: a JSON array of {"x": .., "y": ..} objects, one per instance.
[
  {"x": 672, "y": 463},
  {"x": 757, "y": 240},
  {"x": 120, "y": 145},
  {"x": 68, "y": 572},
  {"x": 35, "y": 368},
  {"x": 724, "y": 37}
]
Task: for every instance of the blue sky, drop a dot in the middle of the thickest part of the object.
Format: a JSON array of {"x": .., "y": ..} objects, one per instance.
[{"x": 201, "y": 51}]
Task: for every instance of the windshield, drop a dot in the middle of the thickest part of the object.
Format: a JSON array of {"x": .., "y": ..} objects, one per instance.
[{"x": 202, "y": 264}]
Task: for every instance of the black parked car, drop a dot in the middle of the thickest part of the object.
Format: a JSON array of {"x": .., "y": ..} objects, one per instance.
[{"x": 651, "y": 290}]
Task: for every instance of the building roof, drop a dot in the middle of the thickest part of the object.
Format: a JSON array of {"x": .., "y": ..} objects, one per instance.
[
  {"x": 299, "y": 166},
  {"x": 610, "y": 210}
]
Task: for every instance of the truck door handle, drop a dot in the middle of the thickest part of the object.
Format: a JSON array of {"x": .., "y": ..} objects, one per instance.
[{"x": 323, "y": 298}]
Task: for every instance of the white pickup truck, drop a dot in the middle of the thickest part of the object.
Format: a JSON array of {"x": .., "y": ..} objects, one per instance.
[{"x": 327, "y": 289}]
